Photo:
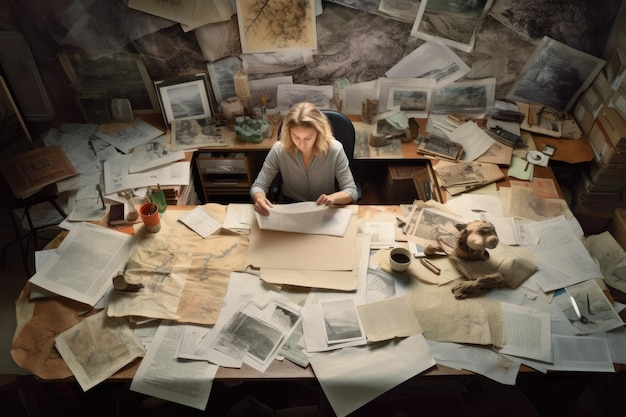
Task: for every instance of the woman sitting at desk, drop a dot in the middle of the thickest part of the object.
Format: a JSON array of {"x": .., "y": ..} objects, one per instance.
[{"x": 309, "y": 160}]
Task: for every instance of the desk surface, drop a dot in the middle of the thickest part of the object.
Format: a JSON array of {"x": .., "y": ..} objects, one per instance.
[{"x": 278, "y": 370}]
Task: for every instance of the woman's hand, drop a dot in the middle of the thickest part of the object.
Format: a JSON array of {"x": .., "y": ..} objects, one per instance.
[
  {"x": 340, "y": 198},
  {"x": 262, "y": 206}
]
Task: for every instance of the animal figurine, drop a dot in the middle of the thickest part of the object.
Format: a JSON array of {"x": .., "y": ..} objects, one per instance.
[{"x": 482, "y": 272}]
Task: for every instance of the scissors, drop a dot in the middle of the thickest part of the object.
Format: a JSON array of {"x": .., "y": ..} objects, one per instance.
[{"x": 583, "y": 319}]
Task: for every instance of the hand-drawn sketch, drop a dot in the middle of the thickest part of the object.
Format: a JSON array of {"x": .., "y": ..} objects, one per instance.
[
  {"x": 275, "y": 25},
  {"x": 555, "y": 75}
]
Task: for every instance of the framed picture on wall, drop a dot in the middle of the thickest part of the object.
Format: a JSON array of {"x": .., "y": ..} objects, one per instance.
[
  {"x": 184, "y": 98},
  {"x": 24, "y": 78},
  {"x": 120, "y": 75},
  {"x": 555, "y": 75}
]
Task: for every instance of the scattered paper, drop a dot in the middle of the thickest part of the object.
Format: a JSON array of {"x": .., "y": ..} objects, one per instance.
[{"x": 200, "y": 222}]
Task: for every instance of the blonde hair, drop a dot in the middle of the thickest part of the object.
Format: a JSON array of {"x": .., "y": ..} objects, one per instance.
[{"x": 306, "y": 114}]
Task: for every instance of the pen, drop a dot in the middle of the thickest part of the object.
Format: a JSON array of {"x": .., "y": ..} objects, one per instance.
[
  {"x": 430, "y": 266},
  {"x": 153, "y": 208},
  {"x": 101, "y": 196}
]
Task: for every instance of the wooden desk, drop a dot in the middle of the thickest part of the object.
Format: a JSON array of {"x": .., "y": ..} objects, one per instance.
[{"x": 278, "y": 370}]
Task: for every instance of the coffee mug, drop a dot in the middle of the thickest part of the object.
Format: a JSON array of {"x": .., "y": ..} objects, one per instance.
[{"x": 400, "y": 259}]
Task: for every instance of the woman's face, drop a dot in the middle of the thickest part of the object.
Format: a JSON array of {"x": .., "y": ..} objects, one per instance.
[{"x": 303, "y": 138}]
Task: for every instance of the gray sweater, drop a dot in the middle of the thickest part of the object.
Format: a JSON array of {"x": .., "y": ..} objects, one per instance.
[{"x": 301, "y": 185}]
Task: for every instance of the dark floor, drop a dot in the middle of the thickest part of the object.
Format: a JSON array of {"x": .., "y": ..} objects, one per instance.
[{"x": 564, "y": 394}]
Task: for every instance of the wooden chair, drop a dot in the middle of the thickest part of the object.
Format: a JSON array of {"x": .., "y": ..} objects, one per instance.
[{"x": 12, "y": 205}]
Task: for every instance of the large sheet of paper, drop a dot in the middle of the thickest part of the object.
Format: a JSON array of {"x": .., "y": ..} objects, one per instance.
[
  {"x": 306, "y": 217},
  {"x": 284, "y": 250},
  {"x": 560, "y": 255},
  {"x": 162, "y": 375},
  {"x": 335, "y": 280},
  {"x": 184, "y": 276},
  {"x": 351, "y": 377},
  {"x": 443, "y": 318},
  {"x": 83, "y": 266}
]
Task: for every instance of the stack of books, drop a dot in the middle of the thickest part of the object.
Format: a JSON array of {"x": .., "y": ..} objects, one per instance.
[{"x": 601, "y": 186}]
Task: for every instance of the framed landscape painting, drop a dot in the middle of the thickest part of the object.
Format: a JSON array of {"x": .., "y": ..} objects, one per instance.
[{"x": 184, "y": 98}]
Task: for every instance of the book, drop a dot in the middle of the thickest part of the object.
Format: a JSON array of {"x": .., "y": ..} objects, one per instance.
[
  {"x": 440, "y": 147},
  {"x": 29, "y": 172}
]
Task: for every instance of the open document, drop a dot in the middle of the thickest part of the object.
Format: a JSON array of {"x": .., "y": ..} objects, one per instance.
[
  {"x": 83, "y": 266},
  {"x": 92, "y": 363},
  {"x": 306, "y": 217},
  {"x": 162, "y": 375}
]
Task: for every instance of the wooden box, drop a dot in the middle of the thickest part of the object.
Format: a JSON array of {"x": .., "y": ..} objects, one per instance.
[{"x": 399, "y": 186}]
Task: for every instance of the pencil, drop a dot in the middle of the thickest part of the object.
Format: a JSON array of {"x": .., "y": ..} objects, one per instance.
[{"x": 430, "y": 266}]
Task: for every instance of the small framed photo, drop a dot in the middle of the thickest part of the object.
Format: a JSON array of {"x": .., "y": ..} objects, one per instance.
[{"x": 184, "y": 98}]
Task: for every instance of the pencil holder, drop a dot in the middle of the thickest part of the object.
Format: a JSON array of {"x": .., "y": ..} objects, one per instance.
[
  {"x": 149, "y": 214},
  {"x": 158, "y": 198}
]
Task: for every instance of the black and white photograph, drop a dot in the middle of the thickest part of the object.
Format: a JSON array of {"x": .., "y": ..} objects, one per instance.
[
  {"x": 184, "y": 98},
  {"x": 456, "y": 23},
  {"x": 284, "y": 318},
  {"x": 198, "y": 133},
  {"x": 433, "y": 226},
  {"x": 341, "y": 321},
  {"x": 289, "y": 94},
  {"x": 221, "y": 73},
  {"x": 555, "y": 75},
  {"x": 412, "y": 101},
  {"x": 441, "y": 147},
  {"x": 464, "y": 97},
  {"x": 251, "y": 336}
]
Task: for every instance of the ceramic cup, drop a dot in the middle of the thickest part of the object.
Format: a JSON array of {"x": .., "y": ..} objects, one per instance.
[
  {"x": 400, "y": 259},
  {"x": 149, "y": 214}
]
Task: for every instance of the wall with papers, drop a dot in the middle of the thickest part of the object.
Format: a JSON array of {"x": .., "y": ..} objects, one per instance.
[{"x": 355, "y": 41}]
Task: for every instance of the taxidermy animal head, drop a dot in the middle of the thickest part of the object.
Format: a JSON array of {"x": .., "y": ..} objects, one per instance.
[{"x": 473, "y": 240}]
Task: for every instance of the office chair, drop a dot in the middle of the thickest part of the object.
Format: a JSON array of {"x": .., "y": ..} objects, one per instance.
[
  {"x": 344, "y": 132},
  {"x": 48, "y": 194}
]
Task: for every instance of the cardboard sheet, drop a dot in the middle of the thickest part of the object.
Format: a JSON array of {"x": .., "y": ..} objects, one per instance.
[{"x": 285, "y": 250}]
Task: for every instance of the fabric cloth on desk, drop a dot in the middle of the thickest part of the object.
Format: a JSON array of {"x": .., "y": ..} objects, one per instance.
[
  {"x": 184, "y": 276},
  {"x": 33, "y": 346},
  {"x": 442, "y": 317}
]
